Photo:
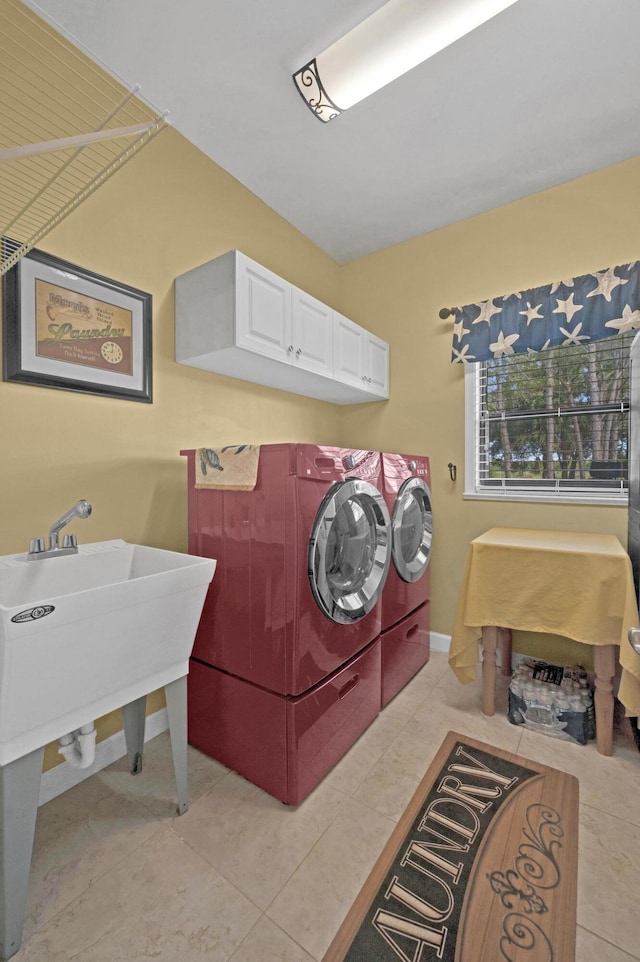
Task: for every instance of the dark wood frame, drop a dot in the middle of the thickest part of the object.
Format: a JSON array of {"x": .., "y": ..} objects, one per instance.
[{"x": 16, "y": 369}]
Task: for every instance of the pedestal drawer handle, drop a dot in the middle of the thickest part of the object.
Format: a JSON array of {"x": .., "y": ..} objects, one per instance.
[{"x": 349, "y": 686}]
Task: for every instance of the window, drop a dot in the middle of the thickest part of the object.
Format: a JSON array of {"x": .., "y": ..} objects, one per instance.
[{"x": 551, "y": 425}]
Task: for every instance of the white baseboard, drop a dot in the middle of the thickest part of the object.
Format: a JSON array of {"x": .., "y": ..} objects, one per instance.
[
  {"x": 440, "y": 642},
  {"x": 443, "y": 643},
  {"x": 57, "y": 780}
]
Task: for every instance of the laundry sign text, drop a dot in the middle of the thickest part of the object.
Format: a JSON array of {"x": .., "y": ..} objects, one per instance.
[{"x": 416, "y": 912}]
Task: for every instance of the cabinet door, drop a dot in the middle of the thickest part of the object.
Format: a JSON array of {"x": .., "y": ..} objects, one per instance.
[
  {"x": 348, "y": 355},
  {"x": 312, "y": 339},
  {"x": 263, "y": 322},
  {"x": 376, "y": 365}
]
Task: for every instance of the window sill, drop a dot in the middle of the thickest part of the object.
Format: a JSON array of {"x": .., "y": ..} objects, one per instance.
[{"x": 547, "y": 497}]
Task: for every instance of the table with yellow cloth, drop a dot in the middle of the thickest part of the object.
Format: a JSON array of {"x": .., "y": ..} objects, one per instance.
[{"x": 574, "y": 584}]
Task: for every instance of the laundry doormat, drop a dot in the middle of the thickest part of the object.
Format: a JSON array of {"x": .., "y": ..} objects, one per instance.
[{"x": 481, "y": 867}]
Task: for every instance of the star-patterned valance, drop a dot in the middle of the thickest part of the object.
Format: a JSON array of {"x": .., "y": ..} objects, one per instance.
[{"x": 576, "y": 311}]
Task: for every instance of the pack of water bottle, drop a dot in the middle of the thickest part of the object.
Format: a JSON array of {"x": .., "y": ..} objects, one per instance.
[{"x": 556, "y": 700}]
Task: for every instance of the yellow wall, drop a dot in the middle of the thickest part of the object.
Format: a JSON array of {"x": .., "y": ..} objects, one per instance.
[
  {"x": 167, "y": 211},
  {"x": 170, "y": 209},
  {"x": 585, "y": 225}
]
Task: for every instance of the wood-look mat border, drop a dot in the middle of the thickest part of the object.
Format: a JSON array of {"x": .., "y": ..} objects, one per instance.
[{"x": 525, "y": 907}]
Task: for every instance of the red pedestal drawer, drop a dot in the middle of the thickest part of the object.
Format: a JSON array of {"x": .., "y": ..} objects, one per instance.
[
  {"x": 323, "y": 724},
  {"x": 283, "y": 745},
  {"x": 404, "y": 650},
  {"x": 238, "y": 724}
]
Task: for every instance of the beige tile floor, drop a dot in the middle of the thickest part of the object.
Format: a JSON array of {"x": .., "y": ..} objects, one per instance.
[{"x": 240, "y": 877}]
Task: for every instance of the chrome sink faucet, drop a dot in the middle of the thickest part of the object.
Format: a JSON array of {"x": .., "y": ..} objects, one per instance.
[{"x": 37, "y": 550}]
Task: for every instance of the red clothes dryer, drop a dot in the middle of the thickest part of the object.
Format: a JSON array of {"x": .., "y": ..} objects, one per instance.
[
  {"x": 285, "y": 668},
  {"x": 405, "y": 599}
]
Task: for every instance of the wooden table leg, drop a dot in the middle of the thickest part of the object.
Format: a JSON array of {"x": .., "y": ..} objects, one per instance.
[
  {"x": 605, "y": 669},
  {"x": 489, "y": 644},
  {"x": 505, "y": 640}
]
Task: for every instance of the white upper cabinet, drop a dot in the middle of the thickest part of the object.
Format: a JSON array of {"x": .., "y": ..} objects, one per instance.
[
  {"x": 235, "y": 317},
  {"x": 360, "y": 358},
  {"x": 312, "y": 333},
  {"x": 376, "y": 365},
  {"x": 263, "y": 310},
  {"x": 348, "y": 351}
]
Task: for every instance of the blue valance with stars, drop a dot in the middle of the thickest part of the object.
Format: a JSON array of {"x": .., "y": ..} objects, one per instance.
[{"x": 576, "y": 311}]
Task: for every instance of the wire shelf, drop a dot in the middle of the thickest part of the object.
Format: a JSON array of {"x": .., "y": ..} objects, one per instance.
[{"x": 66, "y": 125}]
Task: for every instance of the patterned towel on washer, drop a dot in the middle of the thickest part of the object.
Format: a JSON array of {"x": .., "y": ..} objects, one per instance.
[{"x": 234, "y": 467}]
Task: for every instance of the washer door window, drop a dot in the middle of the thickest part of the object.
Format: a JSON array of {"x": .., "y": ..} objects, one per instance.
[
  {"x": 349, "y": 550},
  {"x": 412, "y": 525}
]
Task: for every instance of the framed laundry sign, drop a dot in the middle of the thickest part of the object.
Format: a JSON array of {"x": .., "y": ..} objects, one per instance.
[{"x": 68, "y": 328}]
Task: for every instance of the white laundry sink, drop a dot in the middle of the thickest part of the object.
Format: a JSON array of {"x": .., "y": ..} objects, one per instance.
[{"x": 84, "y": 634}]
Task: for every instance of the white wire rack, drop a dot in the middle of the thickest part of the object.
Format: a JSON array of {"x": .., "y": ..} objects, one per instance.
[{"x": 66, "y": 125}]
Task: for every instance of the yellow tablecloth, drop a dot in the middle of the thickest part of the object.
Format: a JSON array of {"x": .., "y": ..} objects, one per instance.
[{"x": 573, "y": 584}]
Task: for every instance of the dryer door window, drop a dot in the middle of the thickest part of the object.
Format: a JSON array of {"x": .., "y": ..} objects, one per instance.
[
  {"x": 412, "y": 525},
  {"x": 349, "y": 550}
]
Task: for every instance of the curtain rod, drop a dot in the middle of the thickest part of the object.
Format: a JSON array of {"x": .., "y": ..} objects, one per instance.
[{"x": 446, "y": 312}]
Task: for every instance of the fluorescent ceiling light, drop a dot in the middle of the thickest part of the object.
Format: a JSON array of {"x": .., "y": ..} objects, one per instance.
[{"x": 397, "y": 37}]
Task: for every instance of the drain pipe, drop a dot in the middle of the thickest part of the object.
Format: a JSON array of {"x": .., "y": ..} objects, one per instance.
[{"x": 79, "y": 747}]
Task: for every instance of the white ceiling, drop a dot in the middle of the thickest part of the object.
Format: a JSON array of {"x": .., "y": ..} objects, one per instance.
[{"x": 545, "y": 92}]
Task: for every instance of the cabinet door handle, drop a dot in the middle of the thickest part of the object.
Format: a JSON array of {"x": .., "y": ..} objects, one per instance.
[
  {"x": 290, "y": 349},
  {"x": 299, "y": 352}
]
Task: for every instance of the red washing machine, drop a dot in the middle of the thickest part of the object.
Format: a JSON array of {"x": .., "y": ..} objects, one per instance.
[
  {"x": 405, "y": 599},
  {"x": 285, "y": 669}
]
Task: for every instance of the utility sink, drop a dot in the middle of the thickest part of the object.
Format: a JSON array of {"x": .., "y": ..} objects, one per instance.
[
  {"x": 82, "y": 634},
  {"x": 87, "y": 633}
]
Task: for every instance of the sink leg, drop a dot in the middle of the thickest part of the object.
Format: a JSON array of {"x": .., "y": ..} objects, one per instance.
[
  {"x": 19, "y": 794},
  {"x": 133, "y": 716},
  {"x": 176, "y": 696}
]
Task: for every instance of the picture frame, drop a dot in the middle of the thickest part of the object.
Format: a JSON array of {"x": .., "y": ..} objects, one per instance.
[{"x": 68, "y": 328}]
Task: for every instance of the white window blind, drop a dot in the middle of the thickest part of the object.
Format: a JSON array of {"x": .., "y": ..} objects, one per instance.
[{"x": 551, "y": 423}]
